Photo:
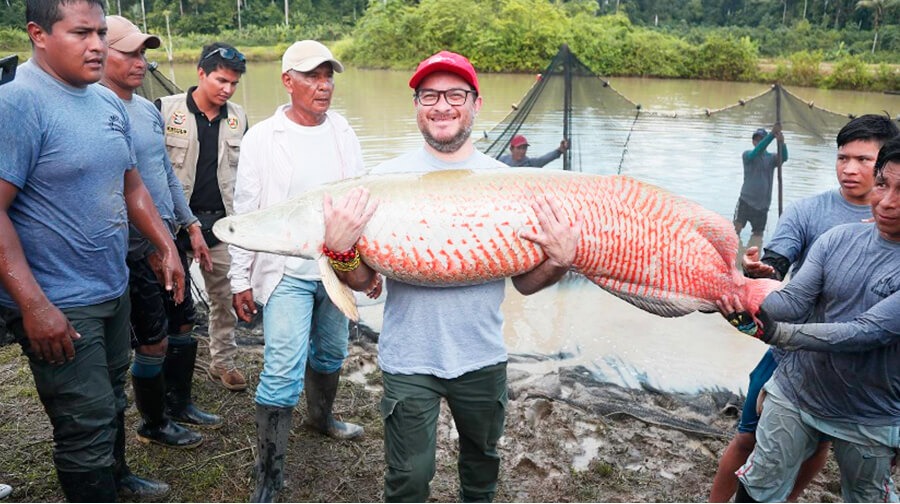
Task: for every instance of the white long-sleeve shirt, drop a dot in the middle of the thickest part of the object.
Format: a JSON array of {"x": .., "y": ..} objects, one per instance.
[{"x": 281, "y": 159}]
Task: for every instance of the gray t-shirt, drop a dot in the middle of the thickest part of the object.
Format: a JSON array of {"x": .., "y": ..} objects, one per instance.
[
  {"x": 156, "y": 172},
  {"x": 440, "y": 331},
  {"x": 804, "y": 221},
  {"x": 67, "y": 150},
  {"x": 843, "y": 365}
]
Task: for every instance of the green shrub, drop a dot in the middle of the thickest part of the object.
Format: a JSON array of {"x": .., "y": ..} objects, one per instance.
[
  {"x": 14, "y": 40},
  {"x": 726, "y": 58},
  {"x": 648, "y": 53},
  {"x": 887, "y": 78},
  {"x": 805, "y": 69},
  {"x": 850, "y": 72},
  {"x": 598, "y": 41}
]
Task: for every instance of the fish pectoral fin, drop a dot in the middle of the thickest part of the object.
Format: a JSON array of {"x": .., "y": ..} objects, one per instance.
[{"x": 339, "y": 293}]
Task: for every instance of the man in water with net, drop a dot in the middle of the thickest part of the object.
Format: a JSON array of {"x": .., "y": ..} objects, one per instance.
[
  {"x": 756, "y": 192},
  {"x": 518, "y": 150}
]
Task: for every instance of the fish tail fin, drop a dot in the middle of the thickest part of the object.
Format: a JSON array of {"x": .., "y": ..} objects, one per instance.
[
  {"x": 338, "y": 292},
  {"x": 755, "y": 290}
]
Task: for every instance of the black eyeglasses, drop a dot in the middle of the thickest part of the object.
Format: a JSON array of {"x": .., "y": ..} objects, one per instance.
[
  {"x": 455, "y": 96},
  {"x": 226, "y": 53}
]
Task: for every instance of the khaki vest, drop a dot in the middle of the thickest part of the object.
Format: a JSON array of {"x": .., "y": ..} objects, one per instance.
[{"x": 184, "y": 147}]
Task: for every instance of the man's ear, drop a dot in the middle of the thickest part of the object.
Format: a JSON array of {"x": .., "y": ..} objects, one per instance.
[{"x": 37, "y": 34}]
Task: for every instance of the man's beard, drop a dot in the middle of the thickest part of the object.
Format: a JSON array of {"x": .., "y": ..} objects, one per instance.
[{"x": 451, "y": 145}]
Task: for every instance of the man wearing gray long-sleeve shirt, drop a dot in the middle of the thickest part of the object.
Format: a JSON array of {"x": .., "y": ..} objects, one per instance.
[
  {"x": 518, "y": 153},
  {"x": 154, "y": 315},
  {"x": 759, "y": 170},
  {"x": 839, "y": 377}
]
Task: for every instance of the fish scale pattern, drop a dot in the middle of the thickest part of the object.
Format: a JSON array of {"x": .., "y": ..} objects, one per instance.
[{"x": 658, "y": 251}]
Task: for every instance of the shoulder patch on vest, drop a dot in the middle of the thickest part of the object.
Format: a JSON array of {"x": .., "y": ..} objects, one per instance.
[
  {"x": 232, "y": 122},
  {"x": 178, "y": 117}
]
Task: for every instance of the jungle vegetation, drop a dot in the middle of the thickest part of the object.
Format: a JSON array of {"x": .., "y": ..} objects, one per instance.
[{"x": 829, "y": 43}]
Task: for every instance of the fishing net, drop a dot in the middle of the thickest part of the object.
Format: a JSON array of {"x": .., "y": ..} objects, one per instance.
[
  {"x": 156, "y": 85},
  {"x": 608, "y": 133}
]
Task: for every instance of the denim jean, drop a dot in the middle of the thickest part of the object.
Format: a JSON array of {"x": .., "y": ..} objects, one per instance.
[{"x": 300, "y": 323}]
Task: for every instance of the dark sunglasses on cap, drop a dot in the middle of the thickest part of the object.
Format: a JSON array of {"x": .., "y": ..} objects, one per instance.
[{"x": 226, "y": 53}]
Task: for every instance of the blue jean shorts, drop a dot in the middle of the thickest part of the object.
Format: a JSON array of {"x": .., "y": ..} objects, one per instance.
[{"x": 758, "y": 377}]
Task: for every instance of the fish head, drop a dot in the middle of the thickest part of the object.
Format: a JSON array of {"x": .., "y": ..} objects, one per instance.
[{"x": 295, "y": 227}]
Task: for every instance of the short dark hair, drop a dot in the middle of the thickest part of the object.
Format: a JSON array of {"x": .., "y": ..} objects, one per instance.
[
  {"x": 889, "y": 153},
  {"x": 210, "y": 62},
  {"x": 868, "y": 127},
  {"x": 45, "y": 13}
]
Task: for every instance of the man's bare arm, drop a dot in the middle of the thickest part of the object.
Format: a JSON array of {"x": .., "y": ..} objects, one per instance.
[{"x": 143, "y": 214}]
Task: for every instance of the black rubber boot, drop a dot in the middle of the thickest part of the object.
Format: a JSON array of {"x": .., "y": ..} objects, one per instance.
[
  {"x": 321, "y": 390},
  {"x": 156, "y": 426},
  {"x": 97, "y": 485},
  {"x": 127, "y": 484},
  {"x": 179, "y": 371},
  {"x": 273, "y": 424}
]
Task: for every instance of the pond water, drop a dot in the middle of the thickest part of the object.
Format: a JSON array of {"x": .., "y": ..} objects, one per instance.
[{"x": 576, "y": 322}]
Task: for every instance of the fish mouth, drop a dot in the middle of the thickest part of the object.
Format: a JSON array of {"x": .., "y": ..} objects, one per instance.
[
  {"x": 224, "y": 229},
  {"x": 233, "y": 232},
  {"x": 247, "y": 232}
]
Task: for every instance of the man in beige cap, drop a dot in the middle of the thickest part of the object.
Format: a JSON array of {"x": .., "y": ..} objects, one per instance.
[
  {"x": 153, "y": 312},
  {"x": 302, "y": 146}
]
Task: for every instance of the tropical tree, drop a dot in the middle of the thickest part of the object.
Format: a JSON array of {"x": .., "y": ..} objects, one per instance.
[{"x": 877, "y": 7}]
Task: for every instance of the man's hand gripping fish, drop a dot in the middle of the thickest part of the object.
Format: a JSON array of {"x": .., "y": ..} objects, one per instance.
[{"x": 658, "y": 251}]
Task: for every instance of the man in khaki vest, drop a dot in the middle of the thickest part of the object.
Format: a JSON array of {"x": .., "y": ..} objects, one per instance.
[{"x": 203, "y": 137}]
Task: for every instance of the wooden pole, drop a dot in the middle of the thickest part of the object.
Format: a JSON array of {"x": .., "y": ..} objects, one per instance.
[
  {"x": 567, "y": 106},
  {"x": 779, "y": 146}
]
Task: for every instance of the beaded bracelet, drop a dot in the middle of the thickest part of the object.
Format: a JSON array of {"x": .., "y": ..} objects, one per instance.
[
  {"x": 346, "y": 256},
  {"x": 345, "y": 266}
]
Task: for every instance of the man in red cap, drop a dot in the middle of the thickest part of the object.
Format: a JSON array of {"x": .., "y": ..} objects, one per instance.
[
  {"x": 518, "y": 150},
  {"x": 444, "y": 342}
]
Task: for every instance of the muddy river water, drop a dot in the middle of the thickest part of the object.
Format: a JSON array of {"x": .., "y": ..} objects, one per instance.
[{"x": 576, "y": 322}]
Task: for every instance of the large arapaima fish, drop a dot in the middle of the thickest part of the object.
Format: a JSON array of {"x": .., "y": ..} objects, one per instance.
[{"x": 658, "y": 251}]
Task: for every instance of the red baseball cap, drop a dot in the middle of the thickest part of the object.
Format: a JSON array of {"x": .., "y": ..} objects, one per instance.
[
  {"x": 445, "y": 61},
  {"x": 518, "y": 140}
]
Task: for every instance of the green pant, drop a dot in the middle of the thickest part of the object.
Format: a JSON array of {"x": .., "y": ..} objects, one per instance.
[
  {"x": 410, "y": 409},
  {"x": 83, "y": 395}
]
